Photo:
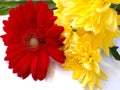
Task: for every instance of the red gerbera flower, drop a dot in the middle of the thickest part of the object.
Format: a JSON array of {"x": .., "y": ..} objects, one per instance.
[{"x": 32, "y": 37}]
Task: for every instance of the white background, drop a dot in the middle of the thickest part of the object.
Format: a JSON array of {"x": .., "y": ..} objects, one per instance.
[{"x": 57, "y": 78}]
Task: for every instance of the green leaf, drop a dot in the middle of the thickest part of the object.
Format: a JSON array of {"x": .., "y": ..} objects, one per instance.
[
  {"x": 114, "y": 52},
  {"x": 116, "y": 7},
  {"x": 4, "y": 10},
  {"x": 6, "y": 5}
]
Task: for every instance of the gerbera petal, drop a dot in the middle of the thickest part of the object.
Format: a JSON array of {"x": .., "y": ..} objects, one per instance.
[
  {"x": 30, "y": 18},
  {"x": 54, "y": 31},
  {"x": 43, "y": 63},
  {"x": 26, "y": 74},
  {"x": 14, "y": 60},
  {"x": 34, "y": 65},
  {"x": 48, "y": 20},
  {"x": 25, "y": 66},
  {"x": 9, "y": 39},
  {"x": 9, "y": 25},
  {"x": 51, "y": 19},
  {"x": 15, "y": 19},
  {"x": 39, "y": 66},
  {"x": 52, "y": 42},
  {"x": 13, "y": 48},
  {"x": 61, "y": 42},
  {"x": 20, "y": 63},
  {"x": 11, "y": 55},
  {"x": 57, "y": 54},
  {"x": 14, "y": 57},
  {"x": 42, "y": 12},
  {"x": 38, "y": 7}
]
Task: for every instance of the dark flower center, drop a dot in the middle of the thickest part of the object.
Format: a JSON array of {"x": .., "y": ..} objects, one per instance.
[
  {"x": 42, "y": 42},
  {"x": 33, "y": 42}
]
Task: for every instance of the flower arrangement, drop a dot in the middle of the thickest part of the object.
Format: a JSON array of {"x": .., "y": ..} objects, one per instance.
[{"x": 71, "y": 32}]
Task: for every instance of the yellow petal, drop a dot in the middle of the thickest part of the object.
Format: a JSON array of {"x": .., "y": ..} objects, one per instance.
[
  {"x": 98, "y": 84},
  {"x": 103, "y": 75},
  {"x": 85, "y": 81},
  {"x": 118, "y": 19}
]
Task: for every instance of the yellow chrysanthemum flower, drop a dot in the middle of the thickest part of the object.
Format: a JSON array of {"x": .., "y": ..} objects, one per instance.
[
  {"x": 89, "y": 14},
  {"x": 83, "y": 60},
  {"x": 89, "y": 25},
  {"x": 102, "y": 40}
]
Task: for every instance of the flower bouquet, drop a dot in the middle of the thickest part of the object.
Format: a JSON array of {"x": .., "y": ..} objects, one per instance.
[{"x": 74, "y": 33}]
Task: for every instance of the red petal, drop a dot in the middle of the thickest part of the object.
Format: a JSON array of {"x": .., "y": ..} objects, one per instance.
[
  {"x": 39, "y": 66},
  {"x": 16, "y": 18},
  {"x": 29, "y": 14},
  {"x": 14, "y": 60},
  {"x": 34, "y": 68},
  {"x": 54, "y": 31},
  {"x": 52, "y": 42},
  {"x": 18, "y": 66},
  {"x": 39, "y": 6},
  {"x": 9, "y": 25},
  {"x": 43, "y": 63},
  {"x": 43, "y": 10},
  {"x": 14, "y": 54},
  {"x": 45, "y": 18},
  {"x": 61, "y": 42},
  {"x": 26, "y": 74},
  {"x": 42, "y": 14},
  {"x": 9, "y": 39},
  {"x": 25, "y": 66},
  {"x": 13, "y": 48},
  {"x": 57, "y": 55}
]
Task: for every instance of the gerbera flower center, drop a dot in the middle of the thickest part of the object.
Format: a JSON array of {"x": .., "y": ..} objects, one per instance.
[{"x": 33, "y": 42}]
